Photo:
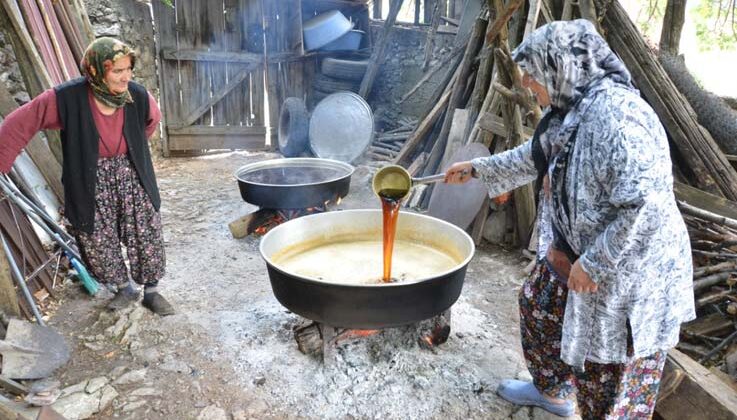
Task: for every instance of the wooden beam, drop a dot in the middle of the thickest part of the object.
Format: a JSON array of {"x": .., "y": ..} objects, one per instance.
[
  {"x": 218, "y": 130},
  {"x": 208, "y": 142},
  {"x": 216, "y": 56},
  {"x": 501, "y": 22},
  {"x": 696, "y": 394},
  {"x": 495, "y": 125},
  {"x": 196, "y": 113},
  {"x": 8, "y": 294},
  {"x": 377, "y": 57},
  {"x": 710, "y": 202},
  {"x": 423, "y": 128}
]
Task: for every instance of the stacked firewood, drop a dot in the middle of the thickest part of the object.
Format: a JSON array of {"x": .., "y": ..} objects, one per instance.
[{"x": 710, "y": 339}]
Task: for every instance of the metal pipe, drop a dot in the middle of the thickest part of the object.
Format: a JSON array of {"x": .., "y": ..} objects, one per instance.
[{"x": 21, "y": 281}]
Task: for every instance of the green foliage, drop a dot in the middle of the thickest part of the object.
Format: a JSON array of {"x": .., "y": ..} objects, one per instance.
[
  {"x": 715, "y": 25},
  {"x": 169, "y": 3},
  {"x": 650, "y": 17}
]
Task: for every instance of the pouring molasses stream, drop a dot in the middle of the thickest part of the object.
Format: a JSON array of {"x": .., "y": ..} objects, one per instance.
[{"x": 392, "y": 184}]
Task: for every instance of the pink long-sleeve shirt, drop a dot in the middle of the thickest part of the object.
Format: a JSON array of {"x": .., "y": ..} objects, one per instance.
[{"x": 42, "y": 114}]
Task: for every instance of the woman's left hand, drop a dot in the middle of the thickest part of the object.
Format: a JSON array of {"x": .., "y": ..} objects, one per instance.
[{"x": 579, "y": 281}]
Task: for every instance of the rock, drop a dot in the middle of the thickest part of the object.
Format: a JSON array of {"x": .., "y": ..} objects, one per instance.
[
  {"x": 133, "y": 406},
  {"x": 116, "y": 372},
  {"x": 95, "y": 384},
  {"x": 175, "y": 366},
  {"x": 118, "y": 328},
  {"x": 213, "y": 412},
  {"x": 257, "y": 408},
  {"x": 146, "y": 392},
  {"x": 108, "y": 395},
  {"x": 94, "y": 346},
  {"x": 79, "y": 405},
  {"x": 421, "y": 382},
  {"x": 73, "y": 389},
  {"x": 240, "y": 415},
  {"x": 259, "y": 380},
  {"x": 131, "y": 377},
  {"x": 148, "y": 354},
  {"x": 137, "y": 314},
  {"x": 131, "y": 332}
]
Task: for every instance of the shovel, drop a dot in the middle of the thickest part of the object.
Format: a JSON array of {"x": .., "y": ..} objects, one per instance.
[{"x": 32, "y": 351}]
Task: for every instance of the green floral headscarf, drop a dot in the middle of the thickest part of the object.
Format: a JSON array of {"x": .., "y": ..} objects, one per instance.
[{"x": 98, "y": 59}]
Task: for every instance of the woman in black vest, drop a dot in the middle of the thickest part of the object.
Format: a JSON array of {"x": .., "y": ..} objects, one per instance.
[{"x": 110, "y": 192}]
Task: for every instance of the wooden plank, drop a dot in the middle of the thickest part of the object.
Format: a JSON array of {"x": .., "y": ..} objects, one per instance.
[
  {"x": 706, "y": 201},
  {"x": 711, "y": 325},
  {"x": 37, "y": 149},
  {"x": 232, "y": 142},
  {"x": 216, "y": 42},
  {"x": 213, "y": 56},
  {"x": 215, "y": 97},
  {"x": 245, "y": 225},
  {"x": 166, "y": 37},
  {"x": 192, "y": 81},
  {"x": 377, "y": 57},
  {"x": 495, "y": 124},
  {"x": 423, "y": 128},
  {"x": 232, "y": 36},
  {"x": 254, "y": 93},
  {"x": 8, "y": 294},
  {"x": 698, "y": 395},
  {"x": 217, "y": 130}
]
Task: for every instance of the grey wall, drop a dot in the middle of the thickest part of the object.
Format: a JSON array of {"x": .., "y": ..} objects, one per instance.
[{"x": 402, "y": 69}]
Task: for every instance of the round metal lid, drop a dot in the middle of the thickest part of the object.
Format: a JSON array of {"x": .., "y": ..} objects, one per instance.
[{"x": 341, "y": 127}]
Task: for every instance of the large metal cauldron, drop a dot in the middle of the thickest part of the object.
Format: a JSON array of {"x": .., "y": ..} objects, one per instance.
[
  {"x": 293, "y": 183},
  {"x": 366, "y": 306}
]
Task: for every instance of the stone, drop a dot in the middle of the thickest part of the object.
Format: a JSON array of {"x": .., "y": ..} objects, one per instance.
[
  {"x": 145, "y": 392},
  {"x": 131, "y": 406},
  {"x": 131, "y": 377},
  {"x": 116, "y": 372},
  {"x": 118, "y": 328},
  {"x": 240, "y": 415},
  {"x": 108, "y": 395},
  {"x": 94, "y": 346},
  {"x": 257, "y": 408},
  {"x": 74, "y": 388},
  {"x": 131, "y": 332},
  {"x": 259, "y": 380},
  {"x": 213, "y": 412},
  {"x": 147, "y": 354},
  {"x": 137, "y": 314},
  {"x": 175, "y": 366},
  {"x": 78, "y": 405},
  {"x": 95, "y": 384}
]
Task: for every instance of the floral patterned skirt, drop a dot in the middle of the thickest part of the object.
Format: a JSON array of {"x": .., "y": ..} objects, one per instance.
[
  {"x": 603, "y": 391},
  {"x": 124, "y": 216}
]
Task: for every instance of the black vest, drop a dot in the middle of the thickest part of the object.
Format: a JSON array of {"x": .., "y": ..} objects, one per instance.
[{"x": 80, "y": 147}]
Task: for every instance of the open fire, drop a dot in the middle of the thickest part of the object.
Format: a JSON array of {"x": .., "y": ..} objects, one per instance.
[{"x": 261, "y": 221}]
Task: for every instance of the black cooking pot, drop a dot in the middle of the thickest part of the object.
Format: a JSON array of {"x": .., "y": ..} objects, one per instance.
[
  {"x": 294, "y": 183},
  {"x": 366, "y": 306}
]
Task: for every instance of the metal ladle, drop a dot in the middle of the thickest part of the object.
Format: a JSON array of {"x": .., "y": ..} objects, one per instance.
[{"x": 395, "y": 181}]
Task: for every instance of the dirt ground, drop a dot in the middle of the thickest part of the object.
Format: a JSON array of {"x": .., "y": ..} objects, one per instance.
[{"x": 229, "y": 352}]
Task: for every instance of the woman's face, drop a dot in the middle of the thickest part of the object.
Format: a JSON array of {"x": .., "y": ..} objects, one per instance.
[
  {"x": 539, "y": 90},
  {"x": 117, "y": 77}
]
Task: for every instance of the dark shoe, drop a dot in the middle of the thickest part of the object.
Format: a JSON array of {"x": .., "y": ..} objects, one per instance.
[
  {"x": 122, "y": 299},
  {"x": 157, "y": 304}
]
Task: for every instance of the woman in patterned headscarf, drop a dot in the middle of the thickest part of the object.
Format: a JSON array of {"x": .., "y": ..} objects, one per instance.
[
  {"x": 613, "y": 279},
  {"x": 110, "y": 192}
]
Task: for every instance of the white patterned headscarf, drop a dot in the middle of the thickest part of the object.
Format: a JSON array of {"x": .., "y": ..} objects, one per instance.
[{"x": 569, "y": 58}]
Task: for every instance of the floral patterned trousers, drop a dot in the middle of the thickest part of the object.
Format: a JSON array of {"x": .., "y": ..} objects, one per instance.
[
  {"x": 124, "y": 216},
  {"x": 603, "y": 391}
]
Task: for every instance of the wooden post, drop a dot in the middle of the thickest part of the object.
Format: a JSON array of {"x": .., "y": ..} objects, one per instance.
[
  {"x": 377, "y": 57},
  {"x": 8, "y": 295},
  {"x": 430, "y": 41},
  {"x": 670, "y": 36}
]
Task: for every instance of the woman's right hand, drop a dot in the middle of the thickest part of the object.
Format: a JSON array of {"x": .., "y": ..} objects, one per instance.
[{"x": 459, "y": 173}]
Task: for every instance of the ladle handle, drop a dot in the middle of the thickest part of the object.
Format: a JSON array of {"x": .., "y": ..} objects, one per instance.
[
  {"x": 431, "y": 178},
  {"x": 428, "y": 179}
]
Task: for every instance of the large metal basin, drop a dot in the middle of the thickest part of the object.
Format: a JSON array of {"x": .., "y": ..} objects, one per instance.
[
  {"x": 366, "y": 306},
  {"x": 294, "y": 183}
]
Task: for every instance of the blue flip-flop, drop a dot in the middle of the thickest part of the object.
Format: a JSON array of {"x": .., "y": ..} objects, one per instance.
[{"x": 525, "y": 393}]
